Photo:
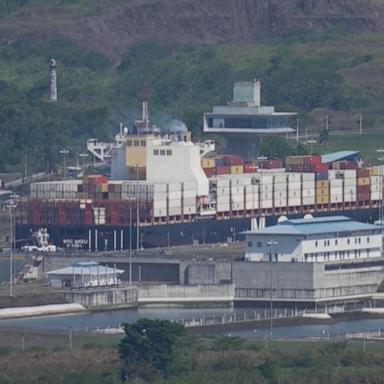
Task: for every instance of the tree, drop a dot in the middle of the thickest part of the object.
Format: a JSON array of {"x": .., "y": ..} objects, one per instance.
[{"x": 149, "y": 347}]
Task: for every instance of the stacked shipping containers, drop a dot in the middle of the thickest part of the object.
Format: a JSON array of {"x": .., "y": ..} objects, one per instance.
[{"x": 363, "y": 185}]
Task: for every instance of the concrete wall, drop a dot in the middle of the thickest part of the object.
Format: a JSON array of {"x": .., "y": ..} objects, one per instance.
[
  {"x": 104, "y": 297},
  {"x": 289, "y": 280},
  {"x": 306, "y": 281},
  {"x": 205, "y": 273},
  {"x": 183, "y": 294}
]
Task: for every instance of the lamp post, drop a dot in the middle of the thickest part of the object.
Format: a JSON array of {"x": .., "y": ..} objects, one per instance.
[
  {"x": 64, "y": 152},
  {"x": 271, "y": 243},
  {"x": 137, "y": 210},
  {"x": 11, "y": 205},
  {"x": 83, "y": 156},
  {"x": 381, "y": 206},
  {"x": 130, "y": 242}
]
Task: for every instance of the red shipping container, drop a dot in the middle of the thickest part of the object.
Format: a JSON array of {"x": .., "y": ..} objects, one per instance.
[
  {"x": 223, "y": 170},
  {"x": 363, "y": 172},
  {"x": 321, "y": 168},
  {"x": 273, "y": 164},
  {"x": 233, "y": 160},
  {"x": 363, "y": 189},
  {"x": 96, "y": 179},
  {"x": 313, "y": 160},
  {"x": 250, "y": 168},
  {"x": 210, "y": 171},
  {"x": 363, "y": 196},
  {"x": 349, "y": 165}
]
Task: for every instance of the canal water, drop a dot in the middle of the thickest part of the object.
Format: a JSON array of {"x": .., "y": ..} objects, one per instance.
[
  {"x": 92, "y": 321},
  {"x": 4, "y": 266}
]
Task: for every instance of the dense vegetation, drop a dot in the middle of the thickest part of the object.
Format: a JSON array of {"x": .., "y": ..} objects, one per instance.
[
  {"x": 198, "y": 360},
  {"x": 314, "y": 74}
]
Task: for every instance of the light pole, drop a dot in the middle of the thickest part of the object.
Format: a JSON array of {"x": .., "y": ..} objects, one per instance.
[
  {"x": 83, "y": 156},
  {"x": 64, "y": 152},
  {"x": 11, "y": 204},
  {"x": 130, "y": 242},
  {"x": 270, "y": 244},
  {"x": 381, "y": 209},
  {"x": 137, "y": 210}
]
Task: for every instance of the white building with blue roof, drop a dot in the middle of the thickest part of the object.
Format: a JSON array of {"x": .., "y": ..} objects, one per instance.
[
  {"x": 313, "y": 240},
  {"x": 85, "y": 274}
]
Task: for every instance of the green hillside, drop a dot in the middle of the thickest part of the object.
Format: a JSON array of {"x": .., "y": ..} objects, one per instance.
[{"x": 317, "y": 74}]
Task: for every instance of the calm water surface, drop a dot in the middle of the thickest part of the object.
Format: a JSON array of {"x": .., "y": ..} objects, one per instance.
[{"x": 91, "y": 321}]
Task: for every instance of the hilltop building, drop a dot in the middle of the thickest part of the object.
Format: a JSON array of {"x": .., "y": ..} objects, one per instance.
[{"x": 244, "y": 121}]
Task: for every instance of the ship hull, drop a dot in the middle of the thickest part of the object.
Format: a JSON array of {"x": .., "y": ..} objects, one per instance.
[{"x": 201, "y": 231}]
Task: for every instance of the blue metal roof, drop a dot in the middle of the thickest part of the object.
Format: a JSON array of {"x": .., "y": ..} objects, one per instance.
[
  {"x": 338, "y": 156},
  {"x": 316, "y": 226}
]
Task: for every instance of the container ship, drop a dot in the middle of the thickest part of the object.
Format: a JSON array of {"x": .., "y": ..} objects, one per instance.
[{"x": 166, "y": 190}]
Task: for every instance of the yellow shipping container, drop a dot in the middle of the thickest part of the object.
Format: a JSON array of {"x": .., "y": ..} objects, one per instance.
[
  {"x": 104, "y": 187},
  {"x": 208, "y": 162},
  {"x": 322, "y": 200},
  {"x": 237, "y": 169},
  {"x": 374, "y": 171},
  {"x": 322, "y": 192},
  {"x": 322, "y": 184},
  {"x": 363, "y": 181}
]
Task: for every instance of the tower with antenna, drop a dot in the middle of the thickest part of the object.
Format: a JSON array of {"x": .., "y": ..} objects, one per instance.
[
  {"x": 52, "y": 80},
  {"x": 143, "y": 124}
]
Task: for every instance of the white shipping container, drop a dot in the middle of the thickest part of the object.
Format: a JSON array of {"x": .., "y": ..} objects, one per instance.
[
  {"x": 266, "y": 203},
  {"x": 336, "y": 183},
  {"x": 375, "y": 180},
  {"x": 309, "y": 200},
  {"x": 189, "y": 210},
  {"x": 222, "y": 182},
  {"x": 223, "y": 207},
  {"x": 280, "y": 203},
  {"x": 375, "y": 195},
  {"x": 294, "y": 177},
  {"x": 308, "y": 192},
  {"x": 308, "y": 177},
  {"x": 159, "y": 212},
  {"x": 174, "y": 211},
  {"x": 336, "y": 197},
  {"x": 294, "y": 202},
  {"x": 238, "y": 206}
]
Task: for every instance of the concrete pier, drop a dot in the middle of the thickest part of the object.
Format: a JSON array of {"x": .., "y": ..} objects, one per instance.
[{"x": 104, "y": 298}]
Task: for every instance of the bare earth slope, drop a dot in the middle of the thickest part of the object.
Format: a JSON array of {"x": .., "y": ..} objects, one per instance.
[{"x": 115, "y": 28}]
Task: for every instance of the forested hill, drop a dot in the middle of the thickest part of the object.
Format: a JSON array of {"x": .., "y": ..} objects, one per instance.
[
  {"x": 309, "y": 54},
  {"x": 111, "y": 26}
]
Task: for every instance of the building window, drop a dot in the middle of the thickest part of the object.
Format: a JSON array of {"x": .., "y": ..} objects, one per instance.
[
  {"x": 136, "y": 143},
  {"x": 348, "y": 241},
  {"x": 162, "y": 152},
  {"x": 315, "y": 243},
  {"x": 250, "y": 244},
  {"x": 335, "y": 242},
  {"x": 129, "y": 143},
  {"x": 169, "y": 152},
  {"x": 367, "y": 239},
  {"x": 143, "y": 143},
  {"x": 156, "y": 152},
  {"x": 325, "y": 243},
  {"x": 259, "y": 244},
  {"x": 359, "y": 240}
]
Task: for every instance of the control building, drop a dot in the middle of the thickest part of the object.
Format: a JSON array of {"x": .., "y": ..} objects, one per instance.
[
  {"x": 313, "y": 240},
  {"x": 244, "y": 121}
]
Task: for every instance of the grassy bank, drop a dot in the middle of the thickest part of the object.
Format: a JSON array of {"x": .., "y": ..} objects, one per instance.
[{"x": 47, "y": 358}]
